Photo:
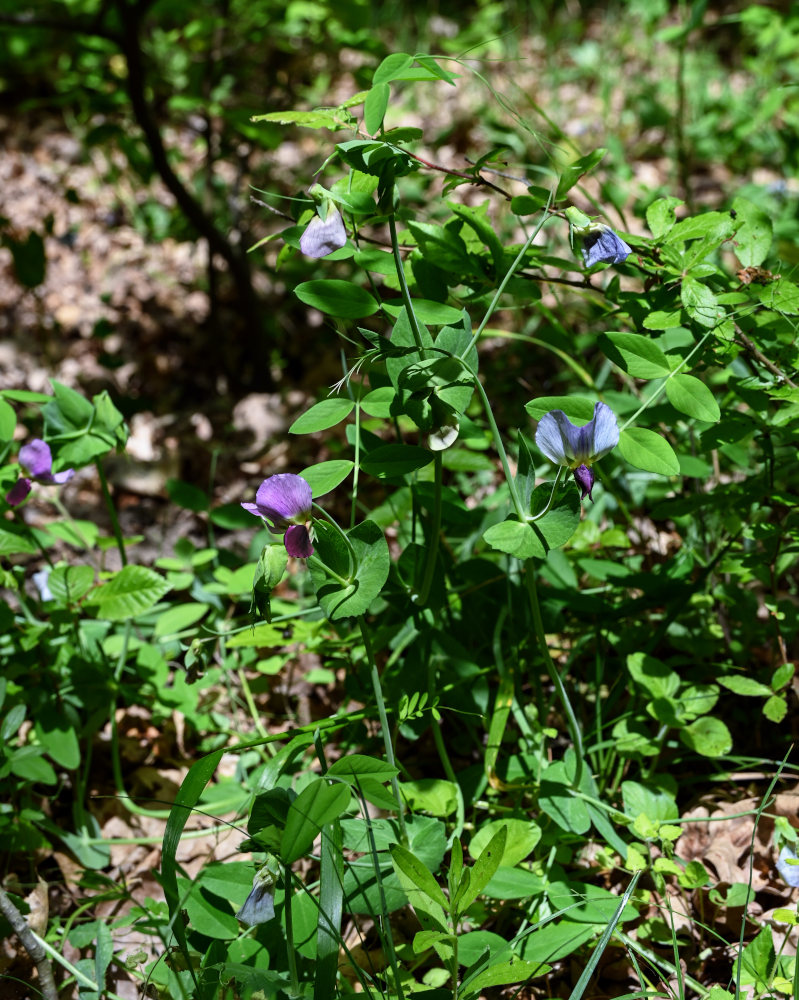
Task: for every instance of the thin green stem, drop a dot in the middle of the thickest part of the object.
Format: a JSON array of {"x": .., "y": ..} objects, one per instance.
[
  {"x": 80, "y": 978},
  {"x": 564, "y": 356},
  {"x": 74, "y": 526},
  {"x": 661, "y": 388},
  {"x": 514, "y": 495},
  {"x": 381, "y": 711},
  {"x": 357, "y": 467},
  {"x": 112, "y": 513},
  {"x": 551, "y": 500},
  {"x": 291, "y": 953},
  {"x": 344, "y": 538},
  {"x": 406, "y": 295},
  {"x": 538, "y": 625},
  {"x": 251, "y": 706},
  {"x": 503, "y": 284},
  {"x": 435, "y": 535},
  {"x": 443, "y": 755},
  {"x": 26, "y": 530},
  {"x": 384, "y": 924},
  {"x": 454, "y": 964},
  {"x": 659, "y": 963}
]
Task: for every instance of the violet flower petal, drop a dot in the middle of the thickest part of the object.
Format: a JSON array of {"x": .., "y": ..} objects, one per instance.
[
  {"x": 556, "y": 437},
  {"x": 605, "y": 431},
  {"x": 604, "y": 247},
  {"x": 298, "y": 542},
  {"x": 323, "y": 236},
  {"x": 19, "y": 491},
  {"x": 566, "y": 444},
  {"x": 37, "y": 458},
  {"x": 284, "y": 499},
  {"x": 57, "y": 477}
]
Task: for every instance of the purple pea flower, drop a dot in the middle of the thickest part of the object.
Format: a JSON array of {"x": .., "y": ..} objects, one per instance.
[
  {"x": 603, "y": 246},
  {"x": 578, "y": 447},
  {"x": 37, "y": 460},
  {"x": 323, "y": 236},
  {"x": 284, "y": 502}
]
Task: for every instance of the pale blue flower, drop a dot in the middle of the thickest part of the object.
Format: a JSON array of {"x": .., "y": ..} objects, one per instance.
[
  {"x": 41, "y": 582},
  {"x": 789, "y": 872},
  {"x": 323, "y": 236},
  {"x": 603, "y": 246},
  {"x": 578, "y": 448},
  {"x": 259, "y": 906},
  {"x": 284, "y": 502}
]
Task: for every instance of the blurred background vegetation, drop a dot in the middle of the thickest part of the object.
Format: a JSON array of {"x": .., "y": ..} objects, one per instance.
[{"x": 697, "y": 100}]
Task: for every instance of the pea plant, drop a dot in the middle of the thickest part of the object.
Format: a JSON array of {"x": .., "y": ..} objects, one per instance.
[
  {"x": 563, "y": 597},
  {"x": 548, "y": 558}
]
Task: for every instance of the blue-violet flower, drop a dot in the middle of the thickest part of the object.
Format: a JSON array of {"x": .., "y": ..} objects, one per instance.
[
  {"x": 323, "y": 236},
  {"x": 37, "y": 460},
  {"x": 284, "y": 502},
  {"x": 603, "y": 246},
  {"x": 259, "y": 906},
  {"x": 578, "y": 447}
]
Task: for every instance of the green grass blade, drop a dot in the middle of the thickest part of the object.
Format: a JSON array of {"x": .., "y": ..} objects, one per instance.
[
  {"x": 188, "y": 796},
  {"x": 588, "y": 971}
]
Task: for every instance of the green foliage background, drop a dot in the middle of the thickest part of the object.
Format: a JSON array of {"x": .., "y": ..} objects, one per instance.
[{"x": 528, "y": 694}]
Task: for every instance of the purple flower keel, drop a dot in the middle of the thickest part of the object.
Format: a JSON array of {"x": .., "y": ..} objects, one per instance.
[
  {"x": 298, "y": 542},
  {"x": 584, "y": 477},
  {"x": 18, "y": 491}
]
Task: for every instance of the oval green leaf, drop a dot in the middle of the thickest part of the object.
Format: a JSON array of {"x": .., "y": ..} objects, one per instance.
[
  {"x": 8, "y": 421},
  {"x": 575, "y": 171},
  {"x": 635, "y": 354},
  {"x": 562, "y": 519},
  {"x": 345, "y": 590},
  {"x": 708, "y": 736},
  {"x": 358, "y": 765},
  {"x": 523, "y": 835},
  {"x": 648, "y": 451},
  {"x": 577, "y": 408},
  {"x": 392, "y": 67},
  {"x": 70, "y": 583},
  {"x": 317, "y": 805},
  {"x": 326, "y": 476},
  {"x": 337, "y": 298},
  {"x": 700, "y": 303},
  {"x": 132, "y": 591},
  {"x": 515, "y": 538},
  {"x": 181, "y": 616},
  {"x": 374, "y": 107},
  {"x": 377, "y": 403},
  {"x": 324, "y": 414},
  {"x": 693, "y": 398},
  {"x": 428, "y": 311}
]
